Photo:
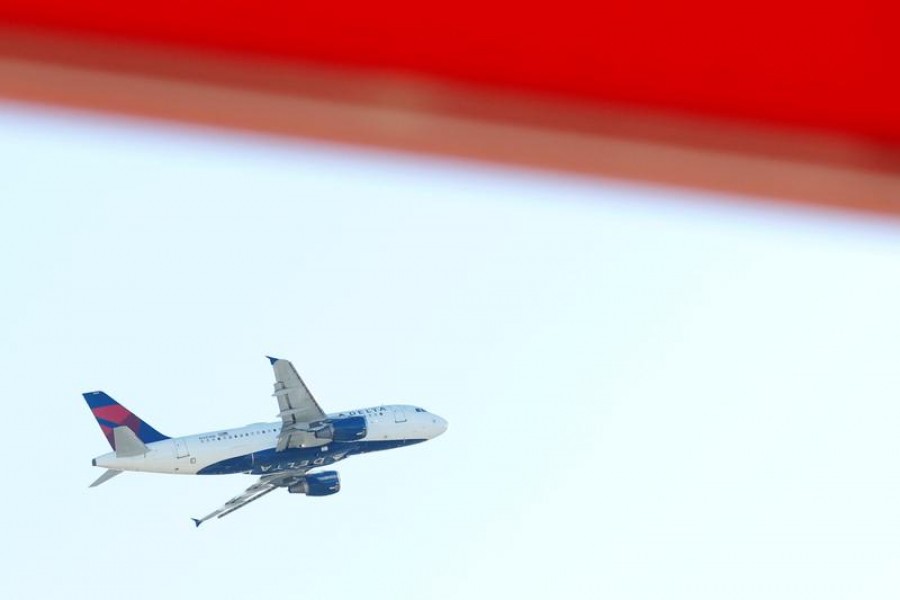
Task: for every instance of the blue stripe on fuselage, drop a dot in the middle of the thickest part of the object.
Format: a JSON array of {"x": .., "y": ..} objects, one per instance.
[{"x": 269, "y": 461}]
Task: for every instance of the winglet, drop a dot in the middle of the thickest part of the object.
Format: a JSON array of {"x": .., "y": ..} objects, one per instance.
[
  {"x": 197, "y": 522},
  {"x": 272, "y": 359}
]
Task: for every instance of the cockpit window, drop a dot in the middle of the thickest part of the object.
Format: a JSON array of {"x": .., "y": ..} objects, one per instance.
[{"x": 420, "y": 410}]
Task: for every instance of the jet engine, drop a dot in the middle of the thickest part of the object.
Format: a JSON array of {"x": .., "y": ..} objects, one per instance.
[
  {"x": 348, "y": 429},
  {"x": 317, "y": 484}
]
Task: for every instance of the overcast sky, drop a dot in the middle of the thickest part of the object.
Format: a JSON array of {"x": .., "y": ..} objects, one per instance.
[{"x": 650, "y": 395}]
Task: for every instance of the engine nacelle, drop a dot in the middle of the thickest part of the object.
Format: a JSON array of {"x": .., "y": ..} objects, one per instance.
[
  {"x": 317, "y": 484},
  {"x": 348, "y": 429}
]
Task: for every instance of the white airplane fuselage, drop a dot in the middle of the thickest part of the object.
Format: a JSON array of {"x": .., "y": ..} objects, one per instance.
[{"x": 252, "y": 448}]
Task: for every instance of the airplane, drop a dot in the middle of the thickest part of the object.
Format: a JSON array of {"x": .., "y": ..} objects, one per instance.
[{"x": 282, "y": 453}]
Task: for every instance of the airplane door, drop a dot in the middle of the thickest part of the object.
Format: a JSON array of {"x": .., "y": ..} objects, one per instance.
[
  {"x": 399, "y": 416},
  {"x": 181, "y": 449}
]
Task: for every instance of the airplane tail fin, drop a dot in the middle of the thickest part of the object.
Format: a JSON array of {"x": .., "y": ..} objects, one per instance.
[{"x": 110, "y": 414}]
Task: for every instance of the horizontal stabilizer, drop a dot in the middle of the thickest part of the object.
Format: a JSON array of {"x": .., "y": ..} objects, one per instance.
[
  {"x": 109, "y": 474},
  {"x": 127, "y": 443}
]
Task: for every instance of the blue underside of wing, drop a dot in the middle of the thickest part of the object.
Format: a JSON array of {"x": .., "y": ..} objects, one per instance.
[{"x": 269, "y": 461}]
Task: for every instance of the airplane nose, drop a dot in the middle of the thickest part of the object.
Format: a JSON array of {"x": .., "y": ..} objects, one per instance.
[{"x": 440, "y": 424}]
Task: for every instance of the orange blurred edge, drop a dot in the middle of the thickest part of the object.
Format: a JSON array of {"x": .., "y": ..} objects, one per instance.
[{"x": 423, "y": 116}]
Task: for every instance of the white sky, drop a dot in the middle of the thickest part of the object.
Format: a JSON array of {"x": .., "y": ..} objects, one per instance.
[{"x": 650, "y": 395}]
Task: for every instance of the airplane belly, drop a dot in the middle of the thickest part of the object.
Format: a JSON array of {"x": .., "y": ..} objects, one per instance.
[
  {"x": 206, "y": 457},
  {"x": 231, "y": 459}
]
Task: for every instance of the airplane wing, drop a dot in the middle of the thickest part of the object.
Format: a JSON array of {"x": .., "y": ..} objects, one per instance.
[
  {"x": 295, "y": 403},
  {"x": 266, "y": 484}
]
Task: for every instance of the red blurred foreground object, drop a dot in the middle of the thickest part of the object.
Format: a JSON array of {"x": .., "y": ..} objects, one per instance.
[{"x": 794, "y": 100}]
